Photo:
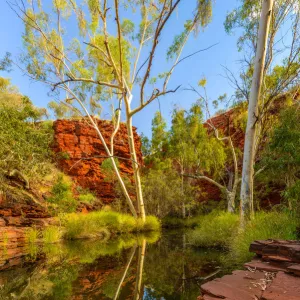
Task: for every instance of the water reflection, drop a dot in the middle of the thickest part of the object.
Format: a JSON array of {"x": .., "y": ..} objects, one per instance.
[{"x": 128, "y": 267}]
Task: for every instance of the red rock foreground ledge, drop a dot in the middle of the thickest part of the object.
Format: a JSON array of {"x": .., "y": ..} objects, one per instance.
[{"x": 273, "y": 275}]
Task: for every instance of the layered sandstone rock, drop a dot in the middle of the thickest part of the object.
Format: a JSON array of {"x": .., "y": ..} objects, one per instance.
[
  {"x": 80, "y": 153},
  {"x": 274, "y": 274},
  {"x": 17, "y": 214}
]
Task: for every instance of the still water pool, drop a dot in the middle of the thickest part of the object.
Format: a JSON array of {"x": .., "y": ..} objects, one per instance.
[{"x": 129, "y": 267}]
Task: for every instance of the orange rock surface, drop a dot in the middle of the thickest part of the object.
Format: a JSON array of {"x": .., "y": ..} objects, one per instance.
[{"x": 81, "y": 153}]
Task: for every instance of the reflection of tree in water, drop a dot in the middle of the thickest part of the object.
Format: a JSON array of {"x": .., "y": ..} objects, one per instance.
[
  {"x": 89, "y": 269},
  {"x": 173, "y": 270},
  {"x": 126, "y": 268}
]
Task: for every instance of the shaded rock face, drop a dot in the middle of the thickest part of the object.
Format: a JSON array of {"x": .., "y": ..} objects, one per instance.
[
  {"x": 227, "y": 125},
  {"x": 233, "y": 123},
  {"x": 16, "y": 216},
  {"x": 81, "y": 153}
]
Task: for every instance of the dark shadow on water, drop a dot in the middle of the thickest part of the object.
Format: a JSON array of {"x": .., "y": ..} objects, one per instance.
[{"x": 150, "y": 266}]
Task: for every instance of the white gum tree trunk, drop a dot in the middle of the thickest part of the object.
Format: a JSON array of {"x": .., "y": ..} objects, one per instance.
[
  {"x": 140, "y": 268},
  {"x": 246, "y": 204},
  {"x": 135, "y": 165}
]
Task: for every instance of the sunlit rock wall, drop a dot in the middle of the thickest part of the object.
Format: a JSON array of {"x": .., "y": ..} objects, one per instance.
[{"x": 80, "y": 153}]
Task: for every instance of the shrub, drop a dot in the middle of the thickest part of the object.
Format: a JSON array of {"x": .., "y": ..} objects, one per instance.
[
  {"x": 24, "y": 142},
  {"x": 151, "y": 224},
  {"x": 127, "y": 223},
  {"x": 62, "y": 199},
  {"x": 87, "y": 198},
  {"x": 51, "y": 234},
  {"x": 215, "y": 230},
  {"x": 85, "y": 195},
  {"x": 272, "y": 225},
  {"x": 31, "y": 235}
]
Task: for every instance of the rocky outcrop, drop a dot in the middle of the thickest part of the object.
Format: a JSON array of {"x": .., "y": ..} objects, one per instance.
[
  {"x": 18, "y": 212},
  {"x": 80, "y": 153},
  {"x": 274, "y": 274}
]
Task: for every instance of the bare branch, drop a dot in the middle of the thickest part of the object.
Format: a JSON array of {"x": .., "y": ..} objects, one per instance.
[
  {"x": 220, "y": 186},
  {"x": 85, "y": 80},
  {"x": 102, "y": 156},
  {"x": 178, "y": 61},
  {"x": 155, "y": 94},
  {"x": 160, "y": 25}
]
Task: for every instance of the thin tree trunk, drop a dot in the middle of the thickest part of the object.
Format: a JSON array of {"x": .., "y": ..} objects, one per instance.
[
  {"x": 182, "y": 195},
  {"x": 246, "y": 205},
  {"x": 230, "y": 201},
  {"x": 136, "y": 170},
  {"x": 140, "y": 267}
]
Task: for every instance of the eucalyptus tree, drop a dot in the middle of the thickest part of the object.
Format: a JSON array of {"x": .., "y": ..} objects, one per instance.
[
  {"x": 161, "y": 181},
  {"x": 107, "y": 56},
  {"x": 210, "y": 150},
  {"x": 282, "y": 155},
  {"x": 193, "y": 150},
  {"x": 276, "y": 74}
]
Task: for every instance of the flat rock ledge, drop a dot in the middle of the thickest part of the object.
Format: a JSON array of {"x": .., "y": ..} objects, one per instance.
[{"x": 273, "y": 275}]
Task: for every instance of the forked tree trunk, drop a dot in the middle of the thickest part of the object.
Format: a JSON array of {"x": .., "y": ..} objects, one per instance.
[{"x": 246, "y": 205}]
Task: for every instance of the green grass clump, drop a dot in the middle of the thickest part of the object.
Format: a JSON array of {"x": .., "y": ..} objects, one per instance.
[
  {"x": 51, "y": 234},
  {"x": 151, "y": 224},
  {"x": 31, "y": 235},
  {"x": 266, "y": 225},
  {"x": 99, "y": 223},
  {"x": 215, "y": 230},
  {"x": 87, "y": 198}
]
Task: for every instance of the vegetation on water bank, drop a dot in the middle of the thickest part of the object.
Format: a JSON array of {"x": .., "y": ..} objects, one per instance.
[
  {"x": 220, "y": 229},
  {"x": 215, "y": 230},
  {"x": 105, "y": 222},
  {"x": 272, "y": 225},
  {"x": 95, "y": 225}
]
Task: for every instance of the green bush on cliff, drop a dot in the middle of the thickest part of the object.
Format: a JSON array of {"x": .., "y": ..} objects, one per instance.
[
  {"x": 62, "y": 199},
  {"x": 85, "y": 195},
  {"x": 25, "y": 155}
]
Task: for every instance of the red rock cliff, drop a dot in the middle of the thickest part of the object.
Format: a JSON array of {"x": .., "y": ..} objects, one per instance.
[
  {"x": 86, "y": 153},
  {"x": 232, "y": 123}
]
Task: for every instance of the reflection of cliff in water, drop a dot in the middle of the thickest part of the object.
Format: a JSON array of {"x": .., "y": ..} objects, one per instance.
[{"x": 132, "y": 267}]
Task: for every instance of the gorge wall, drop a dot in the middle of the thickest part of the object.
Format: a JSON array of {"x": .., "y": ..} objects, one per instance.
[
  {"x": 80, "y": 153},
  {"x": 233, "y": 123}
]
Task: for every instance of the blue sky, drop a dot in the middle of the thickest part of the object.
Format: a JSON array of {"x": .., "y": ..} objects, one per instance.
[{"x": 208, "y": 63}]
